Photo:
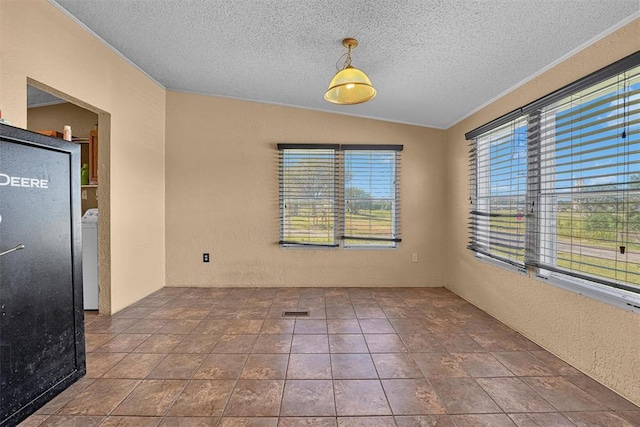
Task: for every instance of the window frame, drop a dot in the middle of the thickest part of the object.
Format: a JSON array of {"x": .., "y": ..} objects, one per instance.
[
  {"x": 303, "y": 152},
  {"x": 495, "y": 233},
  {"x": 596, "y": 286},
  {"x": 340, "y": 197},
  {"x": 372, "y": 242}
]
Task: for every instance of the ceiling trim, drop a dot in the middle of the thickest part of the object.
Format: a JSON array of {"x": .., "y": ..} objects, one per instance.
[
  {"x": 320, "y": 110},
  {"x": 563, "y": 58},
  {"x": 103, "y": 41}
]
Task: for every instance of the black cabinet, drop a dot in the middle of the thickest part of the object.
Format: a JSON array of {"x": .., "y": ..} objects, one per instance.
[{"x": 41, "y": 311}]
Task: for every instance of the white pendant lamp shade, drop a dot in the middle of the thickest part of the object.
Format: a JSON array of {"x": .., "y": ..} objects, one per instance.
[{"x": 350, "y": 85}]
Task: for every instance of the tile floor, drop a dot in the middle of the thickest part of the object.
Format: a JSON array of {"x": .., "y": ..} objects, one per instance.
[{"x": 364, "y": 357}]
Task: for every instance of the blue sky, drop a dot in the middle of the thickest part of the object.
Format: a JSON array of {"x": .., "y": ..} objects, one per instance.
[
  {"x": 370, "y": 170},
  {"x": 589, "y": 148}
]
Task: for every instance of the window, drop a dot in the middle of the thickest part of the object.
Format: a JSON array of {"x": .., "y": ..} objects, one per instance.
[
  {"x": 555, "y": 185},
  {"x": 308, "y": 193},
  {"x": 370, "y": 195},
  {"x": 589, "y": 205},
  {"x": 498, "y": 185},
  {"x": 333, "y": 193}
]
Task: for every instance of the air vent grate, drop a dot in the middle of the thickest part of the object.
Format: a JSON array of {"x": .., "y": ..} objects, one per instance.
[{"x": 295, "y": 313}]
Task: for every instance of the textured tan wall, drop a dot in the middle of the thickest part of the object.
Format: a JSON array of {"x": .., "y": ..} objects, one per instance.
[
  {"x": 599, "y": 339},
  {"x": 55, "y": 117},
  {"x": 222, "y": 198},
  {"x": 41, "y": 43},
  {"x": 91, "y": 200}
]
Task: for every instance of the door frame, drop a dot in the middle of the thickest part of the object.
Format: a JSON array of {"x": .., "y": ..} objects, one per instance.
[{"x": 104, "y": 192}]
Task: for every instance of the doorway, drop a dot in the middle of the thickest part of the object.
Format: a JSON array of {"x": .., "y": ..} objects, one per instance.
[{"x": 49, "y": 111}]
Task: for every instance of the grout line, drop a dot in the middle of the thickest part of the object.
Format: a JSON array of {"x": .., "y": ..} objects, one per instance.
[
  {"x": 175, "y": 399},
  {"x": 123, "y": 399},
  {"x": 372, "y": 297},
  {"x": 384, "y": 391},
  {"x": 235, "y": 384}
]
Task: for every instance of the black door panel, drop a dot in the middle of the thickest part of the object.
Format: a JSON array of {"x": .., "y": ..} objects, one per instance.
[{"x": 41, "y": 332}]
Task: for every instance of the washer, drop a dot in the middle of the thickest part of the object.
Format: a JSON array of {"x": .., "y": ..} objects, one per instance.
[{"x": 90, "y": 259}]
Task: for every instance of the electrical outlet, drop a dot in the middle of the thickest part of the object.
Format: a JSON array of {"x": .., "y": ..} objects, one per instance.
[
  {"x": 84, "y": 194},
  {"x": 205, "y": 257},
  {"x": 414, "y": 257}
]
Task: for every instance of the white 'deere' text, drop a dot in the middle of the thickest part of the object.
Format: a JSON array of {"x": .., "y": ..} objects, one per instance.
[{"x": 16, "y": 181}]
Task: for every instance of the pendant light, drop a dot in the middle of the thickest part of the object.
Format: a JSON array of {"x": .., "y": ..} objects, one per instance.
[{"x": 349, "y": 85}]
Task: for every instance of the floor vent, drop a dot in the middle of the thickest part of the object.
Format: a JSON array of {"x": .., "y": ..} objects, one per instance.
[{"x": 295, "y": 313}]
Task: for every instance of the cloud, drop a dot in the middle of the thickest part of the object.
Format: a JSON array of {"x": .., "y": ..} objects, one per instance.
[{"x": 624, "y": 109}]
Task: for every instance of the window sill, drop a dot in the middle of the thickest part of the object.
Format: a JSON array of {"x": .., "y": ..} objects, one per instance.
[
  {"x": 617, "y": 297},
  {"x": 497, "y": 263}
]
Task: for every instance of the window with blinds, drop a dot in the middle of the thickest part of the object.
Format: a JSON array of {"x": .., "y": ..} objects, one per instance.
[
  {"x": 331, "y": 193},
  {"x": 555, "y": 184},
  {"x": 309, "y": 194},
  {"x": 371, "y": 208},
  {"x": 498, "y": 175},
  {"x": 589, "y": 207}
]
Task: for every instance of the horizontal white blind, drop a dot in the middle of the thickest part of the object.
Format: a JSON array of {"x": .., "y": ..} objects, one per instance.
[
  {"x": 308, "y": 194},
  {"x": 582, "y": 206},
  {"x": 498, "y": 174},
  {"x": 589, "y": 207},
  {"x": 371, "y": 196}
]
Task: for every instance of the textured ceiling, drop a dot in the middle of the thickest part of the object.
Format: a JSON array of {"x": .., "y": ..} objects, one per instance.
[
  {"x": 38, "y": 98},
  {"x": 433, "y": 62}
]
